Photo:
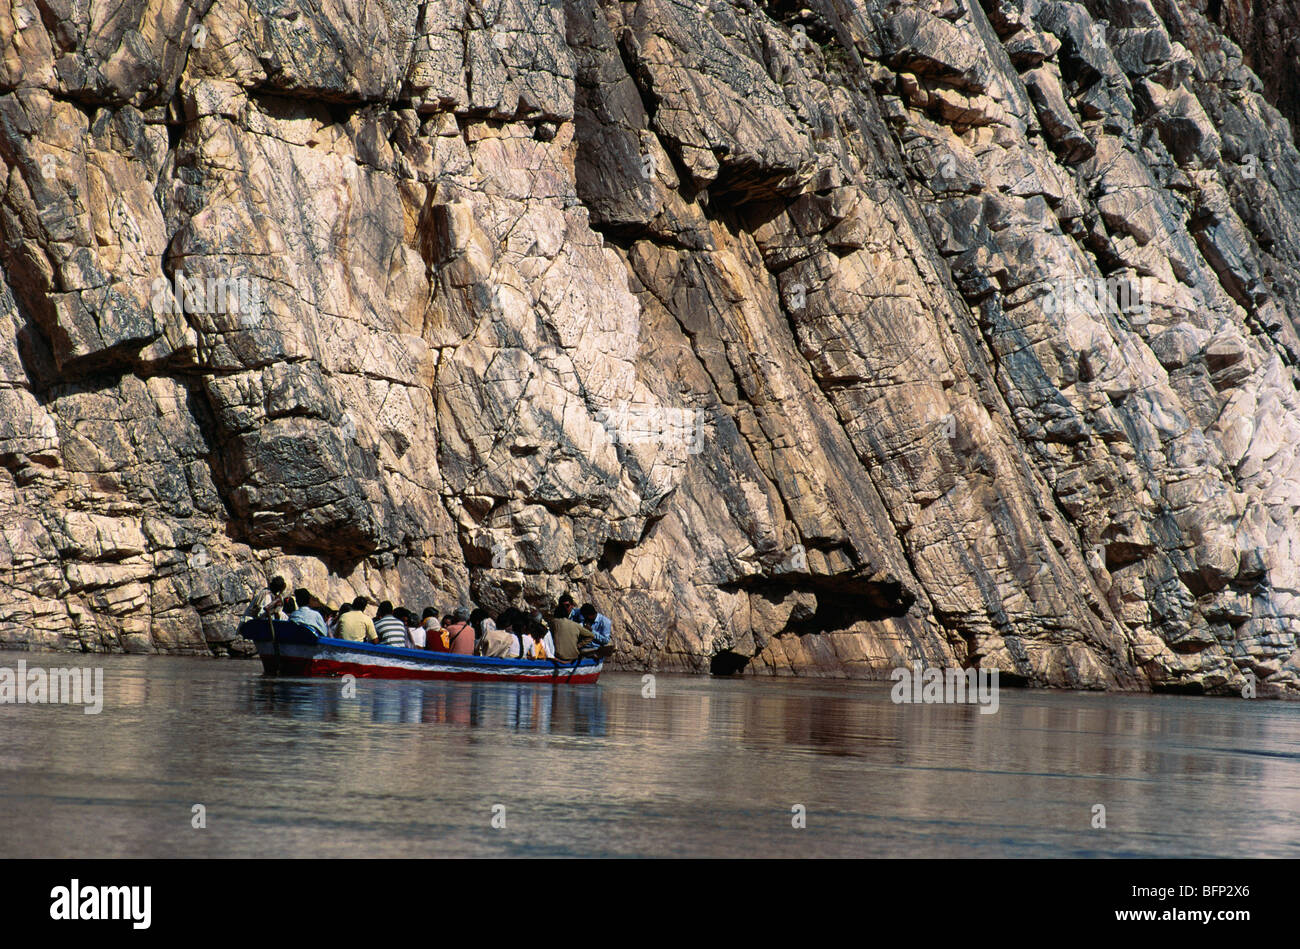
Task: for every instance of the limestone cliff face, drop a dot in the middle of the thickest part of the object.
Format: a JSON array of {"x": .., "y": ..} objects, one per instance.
[{"x": 802, "y": 340}]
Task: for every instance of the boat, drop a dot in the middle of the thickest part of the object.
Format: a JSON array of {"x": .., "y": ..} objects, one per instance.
[{"x": 292, "y": 649}]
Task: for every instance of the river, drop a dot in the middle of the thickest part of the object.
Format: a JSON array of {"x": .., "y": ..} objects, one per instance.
[{"x": 195, "y": 757}]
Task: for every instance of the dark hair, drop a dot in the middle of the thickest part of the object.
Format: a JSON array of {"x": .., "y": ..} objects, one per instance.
[
  {"x": 346, "y": 607},
  {"x": 560, "y": 611},
  {"x": 477, "y": 617},
  {"x": 360, "y": 604},
  {"x": 385, "y": 608},
  {"x": 276, "y": 585},
  {"x": 588, "y": 611},
  {"x": 303, "y": 596},
  {"x": 429, "y": 611},
  {"x": 448, "y": 620},
  {"x": 289, "y": 604}
]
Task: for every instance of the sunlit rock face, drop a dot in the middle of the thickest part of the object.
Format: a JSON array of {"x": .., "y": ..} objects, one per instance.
[{"x": 801, "y": 340}]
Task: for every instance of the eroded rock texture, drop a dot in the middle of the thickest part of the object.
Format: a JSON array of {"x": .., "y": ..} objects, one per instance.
[{"x": 804, "y": 340}]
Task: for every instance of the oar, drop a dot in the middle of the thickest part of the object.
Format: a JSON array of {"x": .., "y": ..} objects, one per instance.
[{"x": 572, "y": 669}]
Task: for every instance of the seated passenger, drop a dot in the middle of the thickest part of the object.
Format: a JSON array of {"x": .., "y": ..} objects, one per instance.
[
  {"x": 460, "y": 633},
  {"x": 331, "y": 614},
  {"x": 309, "y": 614},
  {"x": 567, "y": 634},
  {"x": 306, "y": 616},
  {"x": 415, "y": 633},
  {"x": 391, "y": 630},
  {"x": 602, "y": 631},
  {"x": 432, "y": 630},
  {"x": 355, "y": 625},
  {"x": 537, "y": 642},
  {"x": 500, "y": 643},
  {"x": 477, "y": 619}
]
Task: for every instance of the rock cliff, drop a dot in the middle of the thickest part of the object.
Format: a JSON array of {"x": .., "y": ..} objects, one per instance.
[{"x": 801, "y": 338}]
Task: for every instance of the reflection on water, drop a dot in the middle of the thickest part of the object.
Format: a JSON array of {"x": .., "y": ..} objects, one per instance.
[
  {"x": 515, "y": 706},
  {"x": 708, "y": 767}
]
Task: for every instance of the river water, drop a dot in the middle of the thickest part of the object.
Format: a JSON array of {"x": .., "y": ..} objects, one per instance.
[{"x": 706, "y": 767}]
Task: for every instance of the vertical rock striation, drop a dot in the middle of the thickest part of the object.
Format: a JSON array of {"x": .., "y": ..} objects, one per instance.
[{"x": 803, "y": 340}]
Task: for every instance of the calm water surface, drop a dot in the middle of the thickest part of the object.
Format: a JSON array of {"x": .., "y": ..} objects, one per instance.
[{"x": 708, "y": 767}]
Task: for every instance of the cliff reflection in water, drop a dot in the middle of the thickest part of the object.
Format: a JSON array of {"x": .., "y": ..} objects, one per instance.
[
  {"x": 515, "y": 706},
  {"x": 707, "y": 767}
]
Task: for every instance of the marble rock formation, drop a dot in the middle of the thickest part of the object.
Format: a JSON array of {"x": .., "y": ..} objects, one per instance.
[{"x": 802, "y": 339}]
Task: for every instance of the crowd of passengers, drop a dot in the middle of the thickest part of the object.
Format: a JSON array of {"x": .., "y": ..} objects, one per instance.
[{"x": 572, "y": 633}]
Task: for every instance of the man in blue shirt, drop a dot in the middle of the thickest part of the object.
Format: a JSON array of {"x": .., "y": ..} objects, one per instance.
[
  {"x": 602, "y": 630},
  {"x": 306, "y": 613},
  {"x": 307, "y": 616}
]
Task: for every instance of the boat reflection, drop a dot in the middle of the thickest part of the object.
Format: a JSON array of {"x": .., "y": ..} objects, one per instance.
[{"x": 514, "y": 706}]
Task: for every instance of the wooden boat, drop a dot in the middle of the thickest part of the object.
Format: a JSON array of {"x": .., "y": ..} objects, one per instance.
[{"x": 291, "y": 649}]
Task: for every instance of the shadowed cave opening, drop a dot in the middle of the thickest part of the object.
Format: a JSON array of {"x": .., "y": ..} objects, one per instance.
[{"x": 840, "y": 605}]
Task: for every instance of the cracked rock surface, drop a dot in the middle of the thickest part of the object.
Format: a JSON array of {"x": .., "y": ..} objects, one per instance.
[{"x": 802, "y": 339}]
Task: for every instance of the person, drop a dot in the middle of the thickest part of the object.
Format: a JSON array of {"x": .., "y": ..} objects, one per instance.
[
  {"x": 460, "y": 633},
  {"x": 270, "y": 605},
  {"x": 331, "y": 615},
  {"x": 512, "y": 621},
  {"x": 415, "y": 632},
  {"x": 498, "y": 643},
  {"x": 305, "y": 598},
  {"x": 307, "y": 616},
  {"x": 602, "y": 631},
  {"x": 355, "y": 625},
  {"x": 537, "y": 641},
  {"x": 390, "y": 629},
  {"x": 307, "y": 606},
  {"x": 432, "y": 629},
  {"x": 568, "y": 635},
  {"x": 477, "y": 619}
]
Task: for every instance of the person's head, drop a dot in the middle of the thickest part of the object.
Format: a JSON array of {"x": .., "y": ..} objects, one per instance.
[
  {"x": 429, "y": 613},
  {"x": 360, "y": 604},
  {"x": 289, "y": 604},
  {"x": 462, "y": 614},
  {"x": 385, "y": 609},
  {"x": 302, "y": 597},
  {"x": 564, "y": 608},
  {"x": 328, "y": 612},
  {"x": 276, "y": 585},
  {"x": 477, "y": 617},
  {"x": 346, "y": 607},
  {"x": 448, "y": 619},
  {"x": 588, "y": 614}
]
